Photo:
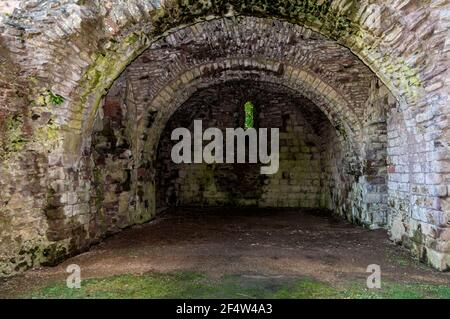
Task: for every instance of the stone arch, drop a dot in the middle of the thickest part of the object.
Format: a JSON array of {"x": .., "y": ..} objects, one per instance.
[
  {"x": 86, "y": 119},
  {"x": 329, "y": 100},
  {"x": 170, "y": 99},
  {"x": 332, "y": 102},
  {"x": 345, "y": 22},
  {"x": 303, "y": 149},
  {"x": 76, "y": 51}
]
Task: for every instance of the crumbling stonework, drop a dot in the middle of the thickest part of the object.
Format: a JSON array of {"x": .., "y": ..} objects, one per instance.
[{"x": 77, "y": 166}]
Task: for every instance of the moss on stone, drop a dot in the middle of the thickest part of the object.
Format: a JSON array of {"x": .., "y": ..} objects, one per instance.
[
  {"x": 417, "y": 236},
  {"x": 55, "y": 253},
  {"x": 100, "y": 76},
  {"x": 341, "y": 131},
  {"x": 49, "y": 98},
  {"x": 54, "y": 98},
  {"x": 97, "y": 177},
  {"x": 13, "y": 139},
  {"x": 317, "y": 13},
  {"x": 49, "y": 132}
]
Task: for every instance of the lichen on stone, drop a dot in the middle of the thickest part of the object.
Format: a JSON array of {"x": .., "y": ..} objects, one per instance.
[
  {"x": 49, "y": 98},
  {"x": 49, "y": 132},
  {"x": 13, "y": 139}
]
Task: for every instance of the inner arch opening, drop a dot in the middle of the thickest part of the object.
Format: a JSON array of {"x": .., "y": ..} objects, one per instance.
[{"x": 315, "y": 159}]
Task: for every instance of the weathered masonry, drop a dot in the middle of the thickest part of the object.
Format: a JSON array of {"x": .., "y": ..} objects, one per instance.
[{"x": 90, "y": 91}]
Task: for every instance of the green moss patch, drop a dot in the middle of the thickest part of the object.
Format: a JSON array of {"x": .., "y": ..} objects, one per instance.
[
  {"x": 194, "y": 285},
  {"x": 55, "y": 99},
  {"x": 50, "y": 98},
  {"x": 13, "y": 139},
  {"x": 319, "y": 13}
]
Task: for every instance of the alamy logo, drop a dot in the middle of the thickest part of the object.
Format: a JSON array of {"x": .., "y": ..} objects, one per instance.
[
  {"x": 73, "y": 281},
  {"x": 374, "y": 280},
  {"x": 235, "y": 146}
]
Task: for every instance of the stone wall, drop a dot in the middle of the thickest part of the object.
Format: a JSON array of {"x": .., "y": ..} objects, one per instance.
[
  {"x": 60, "y": 58},
  {"x": 7, "y": 6},
  {"x": 336, "y": 173}
]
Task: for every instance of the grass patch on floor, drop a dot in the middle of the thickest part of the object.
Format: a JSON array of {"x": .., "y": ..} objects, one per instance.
[
  {"x": 193, "y": 285},
  {"x": 400, "y": 291}
]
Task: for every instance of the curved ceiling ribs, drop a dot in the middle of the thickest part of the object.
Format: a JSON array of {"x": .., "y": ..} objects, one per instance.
[{"x": 328, "y": 74}]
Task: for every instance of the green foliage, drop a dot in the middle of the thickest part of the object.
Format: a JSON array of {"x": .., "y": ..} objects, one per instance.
[
  {"x": 249, "y": 115},
  {"x": 50, "y": 98},
  {"x": 55, "y": 99}
]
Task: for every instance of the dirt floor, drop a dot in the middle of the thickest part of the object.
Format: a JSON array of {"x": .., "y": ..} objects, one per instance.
[{"x": 255, "y": 243}]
